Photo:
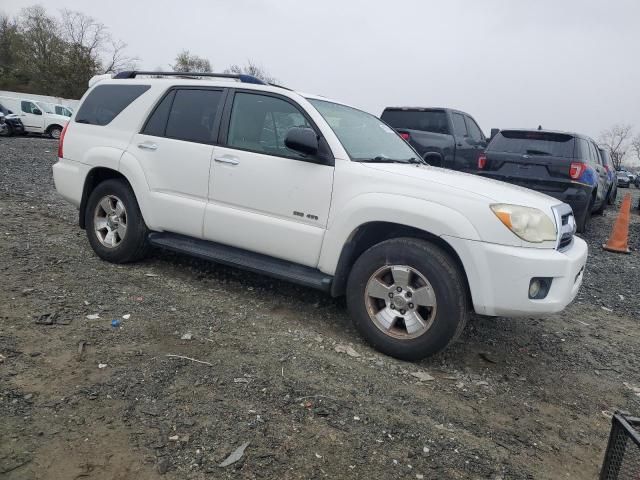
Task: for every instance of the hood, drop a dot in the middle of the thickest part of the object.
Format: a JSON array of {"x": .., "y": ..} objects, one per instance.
[{"x": 494, "y": 191}]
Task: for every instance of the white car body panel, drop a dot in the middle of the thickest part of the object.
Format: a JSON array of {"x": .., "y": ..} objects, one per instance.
[
  {"x": 181, "y": 188},
  {"x": 33, "y": 123}
]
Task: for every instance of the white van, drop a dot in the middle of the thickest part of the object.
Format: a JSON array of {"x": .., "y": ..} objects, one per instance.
[
  {"x": 55, "y": 108},
  {"x": 36, "y": 119}
]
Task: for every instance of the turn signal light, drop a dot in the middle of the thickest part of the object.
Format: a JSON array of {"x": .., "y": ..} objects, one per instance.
[
  {"x": 61, "y": 140},
  {"x": 405, "y": 136}
]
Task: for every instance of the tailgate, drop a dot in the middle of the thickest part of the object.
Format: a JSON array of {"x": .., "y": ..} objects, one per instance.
[{"x": 550, "y": 174}]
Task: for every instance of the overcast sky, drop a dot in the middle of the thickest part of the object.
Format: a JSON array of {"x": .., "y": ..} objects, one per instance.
[{"x": 565, "y": 64}]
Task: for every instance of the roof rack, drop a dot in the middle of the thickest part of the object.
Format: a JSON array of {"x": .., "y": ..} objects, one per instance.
[{"x": 243, "y": 78}]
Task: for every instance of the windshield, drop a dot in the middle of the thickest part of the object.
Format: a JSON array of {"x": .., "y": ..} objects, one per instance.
[
  {"x": 45, "y": 106},
  {"x": 363, "y": 136}
]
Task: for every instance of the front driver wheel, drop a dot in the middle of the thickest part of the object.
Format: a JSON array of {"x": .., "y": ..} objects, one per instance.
[{"x": 407, "y": 298}]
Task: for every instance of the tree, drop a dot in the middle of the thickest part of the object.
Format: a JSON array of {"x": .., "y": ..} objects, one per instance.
[
  {"x": 616, "y": 139},
  {"x": 43, "y": 54},
  {"x": 635, "y": 146},
  {"x": 252, "y": 69},
  {"x": 187, "y": 62}
]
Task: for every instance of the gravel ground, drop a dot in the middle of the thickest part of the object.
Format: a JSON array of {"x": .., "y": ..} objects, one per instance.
[{"x": 513, "y": 399}]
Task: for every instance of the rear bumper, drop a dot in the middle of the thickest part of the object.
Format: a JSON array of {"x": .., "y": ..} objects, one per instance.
[
  {"x": 499, "y": 276},
  {"x": 69, "y": 177}
]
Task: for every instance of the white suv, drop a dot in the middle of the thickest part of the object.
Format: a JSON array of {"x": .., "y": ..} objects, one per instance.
[{"x": 313, "y": 191}]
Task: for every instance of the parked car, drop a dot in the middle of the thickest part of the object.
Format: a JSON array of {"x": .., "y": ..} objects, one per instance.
[
  {"x": 12, "y": 123},
  {"x": 612, "y": 179},
  {"x": 566, "y": 166},
  {"x": 311, "y": 190},
  {"x": 624, "y": 180},
  {"x": 442, "y": 136},
  {"x": 55, "y": 108},
  {"x": 34, "y": 119}
]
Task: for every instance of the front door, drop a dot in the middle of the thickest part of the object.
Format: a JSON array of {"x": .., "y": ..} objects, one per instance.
[
  {"x": 32, "y": 117},
  {"x": 174, "y": 149},
  {"x": 264, "y": 197},
  {"x": 465, "y": 158}
]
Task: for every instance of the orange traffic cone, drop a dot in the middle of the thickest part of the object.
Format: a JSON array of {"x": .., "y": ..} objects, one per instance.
[{"x": 619, "y": 239}]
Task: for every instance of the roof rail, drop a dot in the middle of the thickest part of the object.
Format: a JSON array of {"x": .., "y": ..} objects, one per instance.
[{"x": 243, "y": 78}]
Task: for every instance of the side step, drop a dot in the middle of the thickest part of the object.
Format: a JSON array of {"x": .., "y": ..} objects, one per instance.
[{"x": 236, "y": 257}]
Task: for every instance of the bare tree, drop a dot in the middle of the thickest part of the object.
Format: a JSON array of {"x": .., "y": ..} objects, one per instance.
[
  {"x": 616, "y": 139},
  {"x": 187, "y": 62},
  {"x": 252, "y": 69},
  {"x": 635, "y": 146}
]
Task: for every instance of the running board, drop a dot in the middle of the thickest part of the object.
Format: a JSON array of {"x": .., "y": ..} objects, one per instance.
[{"x": 237, "y": 257}]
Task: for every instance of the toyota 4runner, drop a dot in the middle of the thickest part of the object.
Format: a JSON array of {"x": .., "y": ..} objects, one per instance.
[{"x": 311, "y": 190}]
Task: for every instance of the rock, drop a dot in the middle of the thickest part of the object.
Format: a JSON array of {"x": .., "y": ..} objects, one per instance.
[
  {"x": 348, "y": 350},
  {"x": 422, "y": 376},
  {"x": 235, "y": 455},
  {"x": 186, "y": 336},
  {"x": 126, "y": 316},
  {"x": 163, "y": 465},
  {"x": 93, "y": 316},
  {"x": 102, "y": 365}
]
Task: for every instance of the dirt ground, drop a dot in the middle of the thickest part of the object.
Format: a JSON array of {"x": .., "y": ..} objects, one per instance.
[{"x": 513, "y": 399}]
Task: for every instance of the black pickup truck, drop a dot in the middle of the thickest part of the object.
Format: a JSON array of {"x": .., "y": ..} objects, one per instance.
[{"x": 444, "y": 137}]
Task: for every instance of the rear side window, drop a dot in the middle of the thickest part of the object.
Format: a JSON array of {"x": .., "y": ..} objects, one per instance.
[
  {"x": 459, "y": 127},
  {"x": 474, "y": 131},
  {"x": 105, "y": 102},
  {"x": 533, "y": 143},
  {"x": 193, "y": 115},
  {"x": 157, "y": 123},
  {"x": 434, "y": 121}
]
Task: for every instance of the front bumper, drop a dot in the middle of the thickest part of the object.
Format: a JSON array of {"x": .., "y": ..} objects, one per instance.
[{"x": 499, "y": 276}]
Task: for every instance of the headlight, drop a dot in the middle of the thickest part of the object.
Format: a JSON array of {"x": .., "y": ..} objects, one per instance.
[{"x": 529, "y": 224}]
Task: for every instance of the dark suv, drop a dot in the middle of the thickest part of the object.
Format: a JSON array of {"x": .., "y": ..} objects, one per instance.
[{"x": 566, "y": 166}]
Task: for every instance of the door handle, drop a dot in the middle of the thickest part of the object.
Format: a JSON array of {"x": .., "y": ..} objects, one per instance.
[
  {"x": 228, "y": 161},
  {"x": 148, "y": 146}
]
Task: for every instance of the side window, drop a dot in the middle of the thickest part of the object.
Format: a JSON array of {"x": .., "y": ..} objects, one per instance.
[
  {"x": 592, "y": 153},
  {"x": 105, "y": 102},
  {"x": 474, "y": 131},
  {"x": 193, "y": 115},
  {"x": 260, "y": 123},
  {"x": 27, "y": 107},
  {"x": 157, "y": 122},
  {"x": 459, "y": 128}
]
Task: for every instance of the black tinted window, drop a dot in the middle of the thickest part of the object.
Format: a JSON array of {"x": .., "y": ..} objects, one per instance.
[
  {"x": 474, "y": 131},
  {"x": 533, "y": 143},
  {"x": 260, "y": 123},
  {"x": 105, "y": 102},
  {"x": 28, "y": 107},
  {"x": 606, "y": 158},
  {"x": 459, "y": 128},
  {"x": 157, "y": 122},
  {"x": 193, "y": 115},
  {"x": 427, "y": 121}
]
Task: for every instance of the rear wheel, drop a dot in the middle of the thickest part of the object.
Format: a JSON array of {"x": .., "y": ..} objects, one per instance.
[
  {"x": 55, "y": 132},
  {"x": 585, "y": 218},
  {"x": 114, "y": 224},
  {"x": 408, "y": 298}
]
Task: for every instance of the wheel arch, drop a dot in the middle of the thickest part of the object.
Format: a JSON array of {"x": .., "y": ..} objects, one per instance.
[
  {"x": 369, "y": 234},
  {"x": 52, "y": 126},
  {"x": 95, "y": 177}
]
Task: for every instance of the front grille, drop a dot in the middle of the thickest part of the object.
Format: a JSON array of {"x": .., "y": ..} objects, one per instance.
[
  {"x": 566, "y": 225},
  {"x": 622, "y": 458}
]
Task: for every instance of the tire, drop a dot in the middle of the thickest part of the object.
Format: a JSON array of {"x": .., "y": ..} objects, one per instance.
[
  {"x": 585, "y": 218},
  {"x": 55, "y": 132},
  {"x": 7, "y": 131},
  {"x": 430, "y": 268},
  {"x": 611, "y": 199},
  {"x": 114, "y": 198}
]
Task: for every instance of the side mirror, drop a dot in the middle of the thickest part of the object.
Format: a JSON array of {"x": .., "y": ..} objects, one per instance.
[
  {"x": 303, "y": 140},
  {"x": 36, "y": 111}
]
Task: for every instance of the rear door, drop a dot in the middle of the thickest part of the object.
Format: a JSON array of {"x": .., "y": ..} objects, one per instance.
[
  {"x": 466, "y": 158},
  {"x": 32, "y": 117},
  {"x": 264, "y": 197},
  {"x": 598, "y": 164},
  {"x": 174, "y": 149}
]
